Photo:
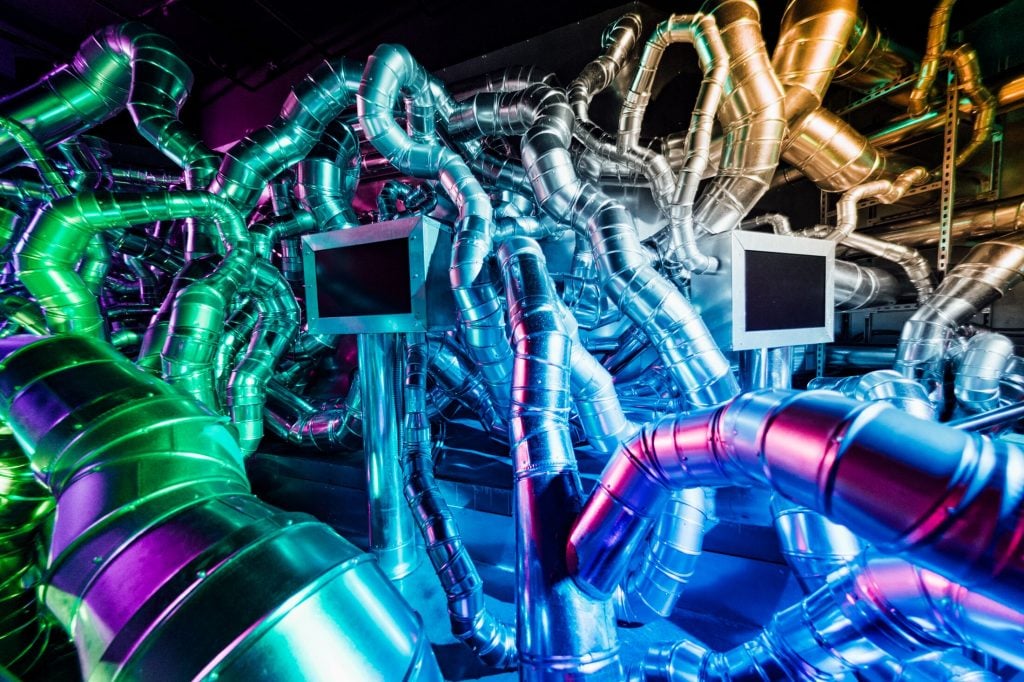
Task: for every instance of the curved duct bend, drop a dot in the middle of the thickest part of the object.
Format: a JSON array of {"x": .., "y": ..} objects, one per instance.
[
  {"x": 873, "y": 615},
  {"x": 983, "y": 276},
  {"x": 961, "y": 513},
  {"x": 326, "y": 178},
  {"x": 542, "y": 115},
  {"x": 985, "y": 361},
  {"x": 752, "y": 117},
  {"x": 125, "y": 65},
  {"x": 492, "y": 641},
  {"x": 561, "y": 632},
  {"x": 312, "y": 104},
  {"x": 392, "y": 72},
  {"x": 136, "y": 465},
  {"x": 818, "y": 143}
]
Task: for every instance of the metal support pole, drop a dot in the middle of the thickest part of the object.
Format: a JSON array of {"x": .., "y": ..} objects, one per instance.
[
  {"x": 392, "y": 532},
  {"x": 948, "y": 182}
]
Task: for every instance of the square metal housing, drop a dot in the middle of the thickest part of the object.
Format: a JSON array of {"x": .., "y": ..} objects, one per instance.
[
  {"x": 769, "y": 290},
  {"x": 378, "y": 278}
]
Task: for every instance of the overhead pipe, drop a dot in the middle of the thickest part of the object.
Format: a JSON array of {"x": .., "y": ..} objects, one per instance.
[
  {"x": 241, "y": 581},
  {"x": 560, "y": 631},
  {"x": 870, "y": 60},
  {"x": 987, "y": 272},
  {"x": 970, "y": 222},
  {"x": 938, "y": 30},
  {"x": 390, "y": 72},
  {"x": 960, "y": 512},
  {"x": 819, "y": 144},
  {"x": 327, "y": 177},
  {"x": 543, "y": 117},
  {"x": 915, "y": 266},
  {"x": 874, "y": 614},
  {"x": 752, "y": 119},
  {"x": 257, "y": 159},
  {"x": 472, "y": 622},
  {"x": 702, "y": 31},
  {"x": 123, "y": 65},
  {"x": 47, "y": 254}
]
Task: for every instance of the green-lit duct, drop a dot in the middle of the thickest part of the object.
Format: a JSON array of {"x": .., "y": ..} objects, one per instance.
[{"x": 162, "y": 563}]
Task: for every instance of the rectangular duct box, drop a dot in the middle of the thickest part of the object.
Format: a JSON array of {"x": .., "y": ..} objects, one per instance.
[
  {"x": 384, "y": 277},
  {"x": 769, "y": 290}
]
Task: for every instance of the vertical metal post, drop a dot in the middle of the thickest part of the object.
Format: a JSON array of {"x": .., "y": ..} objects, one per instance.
[
  {"x": 947, "y": 184},
  {"x": 392, "y": 532},
  {"x": 819, "y": 349}
]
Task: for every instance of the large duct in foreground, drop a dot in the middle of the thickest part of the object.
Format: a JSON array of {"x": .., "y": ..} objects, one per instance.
[{"x": 241, "y": 590}]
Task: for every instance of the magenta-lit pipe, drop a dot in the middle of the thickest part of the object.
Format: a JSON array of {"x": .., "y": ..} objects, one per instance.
[{"x": 961, "y": 498}]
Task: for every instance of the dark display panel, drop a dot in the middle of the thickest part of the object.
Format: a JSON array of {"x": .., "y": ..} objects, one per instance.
[
  {"x": 784, "y": 291},
  {"x": 364, "y": 279}
]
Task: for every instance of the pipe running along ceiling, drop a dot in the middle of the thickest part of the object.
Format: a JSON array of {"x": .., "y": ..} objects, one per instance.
[{"x": 162, "y": 328}]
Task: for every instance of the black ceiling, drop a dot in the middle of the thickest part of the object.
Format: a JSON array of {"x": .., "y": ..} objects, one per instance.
[{"x": 252, "y": 46}]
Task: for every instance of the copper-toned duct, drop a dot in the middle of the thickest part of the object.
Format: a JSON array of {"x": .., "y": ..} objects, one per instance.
[
  {"x": 752, "y": 117},
  {"x": 938, "y": 30}
]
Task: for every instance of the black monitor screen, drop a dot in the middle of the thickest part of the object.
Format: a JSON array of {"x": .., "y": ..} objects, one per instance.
[
  {"x": 364, "y": 279},
  {"x": 784, "y": 291}
]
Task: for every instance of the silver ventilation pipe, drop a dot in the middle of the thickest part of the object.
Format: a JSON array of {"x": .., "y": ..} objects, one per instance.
[
  {"x": 328, "y": 428},
  {"x": 960, "y": 514},
  {"x": 390, "y": 72},
  {"x": 124, "y": 65},
  {"x": 510, "y": 78},
  {"x": 276, "y": 325},
  {"x": 857, "y": 286},
  {"x": 664, "y": 567},
  {"x": 593, "y": 394},
  {"x": 943, "y": 666},
  {"x": 969, "y": 222},
  {"x": 880, "y": 611},
  {"x": 312, "y": 104},
  {"x": 472, "y": 623},
  {"x": 983, "y": 276},
  {"x": 882, "y": 385},
  {"x": 455, "y": 376},
  {"x": 543, "y": 117},
  {"x": 326, "y": 179},
  {"x": 139, "y": 471},
  {"x": 985, "y": 361},
  {"x": 561, "y": 632},
  {"x": 752, "y": 118}
]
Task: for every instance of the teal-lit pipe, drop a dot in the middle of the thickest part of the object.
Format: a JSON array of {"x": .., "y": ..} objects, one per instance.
[
  {"x": 24, "y": 508},
  {"x": 275, "y": 329},
  {"x": 156, "y": 331},
  {"x": 561, "y": 632},
  {"x": 296, "y": 421},
  {"x": 392, "y": 72},
  {"x": 392, "y": 535},
  {"x": 472, "y": 623},
  {"x": 124, "y": 65},
  {"x": 326, "y": 179},
  {"x": 313, "y": 103},
  {"x": 267, "y": 234},
  {"x": 237, "y": 331},
  {"x": 47, "y": 252},
  {"x": 158, "y": 540},
  {"x": 455, "y": 375},
  {"x": 53, "y": 180}
]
